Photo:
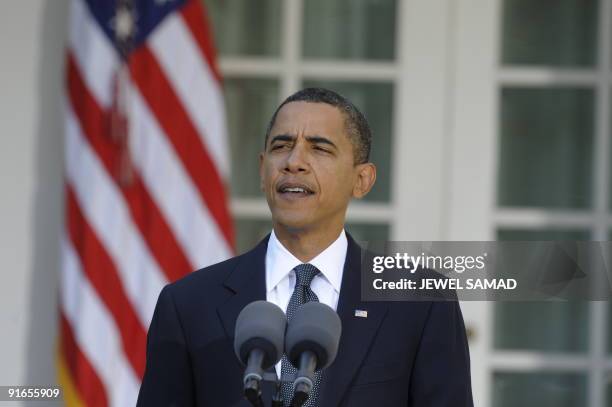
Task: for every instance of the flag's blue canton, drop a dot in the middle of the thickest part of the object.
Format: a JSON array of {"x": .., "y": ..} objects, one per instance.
[{"x": 149, "y": 13}]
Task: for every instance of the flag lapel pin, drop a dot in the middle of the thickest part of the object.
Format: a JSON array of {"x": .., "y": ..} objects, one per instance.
[{"x": 360, "y": 313}]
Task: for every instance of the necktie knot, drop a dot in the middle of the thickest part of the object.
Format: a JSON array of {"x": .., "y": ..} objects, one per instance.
[{"x": 304, "y": 273}]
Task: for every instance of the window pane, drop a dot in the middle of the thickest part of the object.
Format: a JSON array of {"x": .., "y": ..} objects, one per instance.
[
  {"x": 539, "y": 389},
  {"x": 610, "y": 337},
  {"x": 610, "y": 334},
  {"x": 349, "y": 29},
  {"x": 557, "y": 33},
  {"x": 546, "y": 326},
  {"x": 250, "y": 231},
  {"x": 250, "y": 104},
  {"x": 552, "y": 326},
  {"x": 546, "y": 147},
  {"x": 609, "y": 175},
  {"x": 246, "y": 27},
  {"x": 549, "y": 234},
  {"x": 375, "y": 100}
]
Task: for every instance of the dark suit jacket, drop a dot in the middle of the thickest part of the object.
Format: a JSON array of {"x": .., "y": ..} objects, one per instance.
[{"x": 402, "y": 354}]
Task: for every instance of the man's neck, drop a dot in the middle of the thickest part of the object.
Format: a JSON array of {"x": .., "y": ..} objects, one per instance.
[{"x": 304, "y": 244}]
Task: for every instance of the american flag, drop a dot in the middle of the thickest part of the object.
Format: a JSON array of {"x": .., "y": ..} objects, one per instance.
[{"x": 146, "y": 160}]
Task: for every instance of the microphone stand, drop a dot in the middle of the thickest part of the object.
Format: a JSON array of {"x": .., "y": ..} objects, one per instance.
[
  {"x": 252, "y": 393},
  {"x": 277, "y": 398}
]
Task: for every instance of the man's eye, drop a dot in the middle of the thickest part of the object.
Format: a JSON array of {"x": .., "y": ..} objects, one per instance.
[
  {"x": 321, "y": 149},
  {"x": 278, "y": 146}
]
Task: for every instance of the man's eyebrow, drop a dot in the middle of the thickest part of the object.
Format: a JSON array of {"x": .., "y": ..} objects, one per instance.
[
  {"x": 320, "y": 140},
  {"x": 310, "y": 139},
  {"x": 282, "y": 137}
]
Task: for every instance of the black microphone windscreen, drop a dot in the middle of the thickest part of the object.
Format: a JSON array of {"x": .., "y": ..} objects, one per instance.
[
  {"x": 315, "y": 327},
  {"x": 260, "y": 325}
]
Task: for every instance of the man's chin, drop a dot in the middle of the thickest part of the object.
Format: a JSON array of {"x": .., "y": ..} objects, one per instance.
[{"x": 292, "y": 223}]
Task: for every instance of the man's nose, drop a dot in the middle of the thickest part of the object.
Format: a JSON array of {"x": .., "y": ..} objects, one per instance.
[{"x": 297, "y": 160}]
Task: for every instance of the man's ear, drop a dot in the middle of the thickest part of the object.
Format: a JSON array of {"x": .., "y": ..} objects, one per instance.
[
  {"x": 261, "y": 175},
  {"x": 366, "y": 176}
]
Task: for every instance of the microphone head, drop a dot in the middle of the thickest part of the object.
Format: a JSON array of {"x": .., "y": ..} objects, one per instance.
[
  {"x": 260, "y": 325},
  {"x": 314, "y": 327}
]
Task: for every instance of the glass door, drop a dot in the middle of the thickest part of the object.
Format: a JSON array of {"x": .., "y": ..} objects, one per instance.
[{"x": 540, "y": 127}]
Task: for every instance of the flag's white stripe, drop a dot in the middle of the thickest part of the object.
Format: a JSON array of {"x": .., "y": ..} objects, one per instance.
[
  {"x": 95, "y": 332},
  {"x": 94, "y": 54},
  {"x": 105, "y": 210},
  {"x": 192, "y": 79},
  {"x": 172, "y": 188}
]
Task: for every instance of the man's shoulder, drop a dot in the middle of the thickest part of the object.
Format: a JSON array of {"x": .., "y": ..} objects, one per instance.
[
  {"x": 207, "y": 278},
  {"x": 215, "y": 282}
]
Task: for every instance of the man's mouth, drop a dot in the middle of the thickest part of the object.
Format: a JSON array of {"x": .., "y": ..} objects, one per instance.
[{"x": 293, "y": 189}]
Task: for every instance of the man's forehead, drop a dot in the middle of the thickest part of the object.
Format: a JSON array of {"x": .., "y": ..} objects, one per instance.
[{"x": 310, "y": 117}]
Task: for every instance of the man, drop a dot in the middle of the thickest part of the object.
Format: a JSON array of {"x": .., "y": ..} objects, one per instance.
[{"x": 314, "y": 162}]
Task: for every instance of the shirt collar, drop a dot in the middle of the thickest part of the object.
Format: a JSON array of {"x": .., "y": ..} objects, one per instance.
[{"x": 330, "y": 262}]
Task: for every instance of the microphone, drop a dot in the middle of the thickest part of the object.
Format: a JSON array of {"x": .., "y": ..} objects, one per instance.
[
  {"x": 311, "y": 344},
  {"x": 258, "y": 343}
]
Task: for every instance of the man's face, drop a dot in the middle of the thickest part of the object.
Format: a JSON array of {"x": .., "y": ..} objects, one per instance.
[{"x": 307, "y": 169}]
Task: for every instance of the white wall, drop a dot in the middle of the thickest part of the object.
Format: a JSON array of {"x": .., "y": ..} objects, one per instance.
[{"x": 32, "y": 34}]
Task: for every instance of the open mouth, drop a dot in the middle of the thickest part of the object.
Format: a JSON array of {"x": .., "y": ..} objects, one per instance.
[{"x": 292, "y": 189}]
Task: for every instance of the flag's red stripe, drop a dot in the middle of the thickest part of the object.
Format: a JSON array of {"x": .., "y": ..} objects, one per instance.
[
  {"x": 196, "y": 19},
  {"x": 102, "y": 274},
  {"x": 144, "y": 211},
  {"x": 181, "y": 132},
  {"x": 83, "y": 375}
]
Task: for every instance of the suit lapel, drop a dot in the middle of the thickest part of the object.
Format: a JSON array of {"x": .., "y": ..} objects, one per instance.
[
  {"x": 247, "y": 283},
  {"x": 357, "y": 332}
]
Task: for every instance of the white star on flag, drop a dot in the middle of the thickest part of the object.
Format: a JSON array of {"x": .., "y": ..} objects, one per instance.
[{"x": 123, "y": 23}]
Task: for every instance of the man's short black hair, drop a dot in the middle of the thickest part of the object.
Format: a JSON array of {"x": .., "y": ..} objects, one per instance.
[{"x": 356, "y": 125}]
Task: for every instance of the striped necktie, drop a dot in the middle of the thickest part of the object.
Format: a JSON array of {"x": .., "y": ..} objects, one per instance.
[{"x": 304, "y": 273}]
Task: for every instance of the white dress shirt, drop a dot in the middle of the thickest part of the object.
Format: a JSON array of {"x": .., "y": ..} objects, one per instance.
[{"x": 280, "y": 276}]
